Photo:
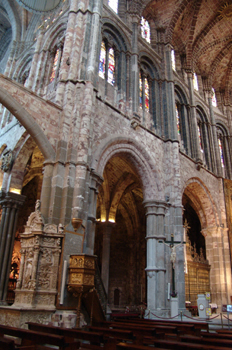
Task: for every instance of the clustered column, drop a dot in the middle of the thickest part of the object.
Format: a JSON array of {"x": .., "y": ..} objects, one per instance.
[
  {"x": 10, "y": 203},
  {"x": 155, "y": 212}
]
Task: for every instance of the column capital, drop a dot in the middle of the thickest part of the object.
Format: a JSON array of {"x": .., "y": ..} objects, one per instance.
[
  {"x": 11, "y": 199},
  {"x": 155, "y": 207}
]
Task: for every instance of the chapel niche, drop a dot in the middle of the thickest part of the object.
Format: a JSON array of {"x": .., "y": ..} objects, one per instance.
[
  {"x": 120, "y": 206},
  {"x": 197, "y": 268}
]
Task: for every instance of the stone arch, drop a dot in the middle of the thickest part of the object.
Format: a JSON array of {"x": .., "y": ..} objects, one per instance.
[
  {"x": 203, "y": 203},
  {"x": 22, "y": 153},
  {"x": 139, "y": 158},
  {"x": 27, "y": 121}
]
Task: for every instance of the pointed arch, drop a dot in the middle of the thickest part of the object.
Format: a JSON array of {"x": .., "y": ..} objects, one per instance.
[
  {"x": 27, "y": 121},
  {"x": 115, "y": 145}
]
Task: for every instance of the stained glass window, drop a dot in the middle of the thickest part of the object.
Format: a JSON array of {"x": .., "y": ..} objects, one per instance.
[
  {"x": 111, "y": 68},
  {"x": 140, "y": 91},
  {"x": 200, "y": 138},
  {"x": 173, "y": 60},
  {"x": 54, "y": 67},
  {"x": 221, "y": 152},
  {"x": 178, "y": 120},
  {"x": 195, "y": 82},
  {"x": 146, "y": 90},
  {"x": 214, "y": 101},
  {"x": 102, "y": 63},
  {"x": 145, "y": 30},
  {"x": 114, "y": 5}
]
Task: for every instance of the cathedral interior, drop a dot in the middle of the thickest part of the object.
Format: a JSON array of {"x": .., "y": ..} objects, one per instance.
[{"x": 115, "y": 137}]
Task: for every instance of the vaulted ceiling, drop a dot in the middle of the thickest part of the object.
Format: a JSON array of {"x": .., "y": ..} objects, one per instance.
[{"x": 201, "y": 32}]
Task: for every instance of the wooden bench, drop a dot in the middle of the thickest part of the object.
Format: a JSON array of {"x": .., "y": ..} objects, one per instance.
[
  {"x": 6, "y": 344},
  {"x": 127, "y": 346},
  {"x": 184, "y": 328},
  {"x": 212, "y": 341},
  {"x": 94, "y": 339},
  {"x": 198, "y": 325},
  {"x": 181, "y": 345},
  {"x": 29, "y": 337}
]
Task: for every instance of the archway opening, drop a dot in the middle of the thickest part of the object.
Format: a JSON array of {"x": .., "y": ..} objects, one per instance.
[
  {"x": 197, "y": 268},
  {"x": 120, "y": 233}
]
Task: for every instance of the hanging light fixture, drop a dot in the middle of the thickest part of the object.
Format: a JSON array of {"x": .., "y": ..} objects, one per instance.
[{"x": 40, "y": 6}]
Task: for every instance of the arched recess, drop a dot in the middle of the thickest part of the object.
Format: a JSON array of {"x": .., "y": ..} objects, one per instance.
[
  {"x": 120, "y": 243},
  {"x": 204, "y": 205},
  {"x": 27, "y": 121},
  {"x": 197, "y": 196},
  {"x": 143, "y": 164},
  {"x": 130, "y": 177}
]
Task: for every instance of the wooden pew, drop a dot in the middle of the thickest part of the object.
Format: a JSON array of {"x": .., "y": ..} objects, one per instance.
[
  {"x": 29, "y": 337},
  {"x": 93, "y": 338},
  {"x": 211, "y": 341},
  {"x": 6, "y": 344},
  {"x": 197, "y": 324},
  {"x": 127, "y": 346},
  {"x": 181, "y": 345}
]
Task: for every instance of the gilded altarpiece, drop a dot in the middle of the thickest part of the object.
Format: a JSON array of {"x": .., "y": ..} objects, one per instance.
[
  {"x": 228, "y": 201},
  {"x": 40, "y": 255},
  {"x": 197, "y": 278}
]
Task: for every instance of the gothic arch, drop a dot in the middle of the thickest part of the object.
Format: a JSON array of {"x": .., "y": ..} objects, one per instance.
[
  {"x": 27, "y": 121},
  {"x": 127, "y": 147},
  {"x": 203, "y": 203},
  {"x": 22, "y": 153}
]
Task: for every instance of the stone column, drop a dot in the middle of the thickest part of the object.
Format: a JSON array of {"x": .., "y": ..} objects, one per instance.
[
  {"x": 134, "y": 65},
  {"x": 156, "y": 287},
  {"x": 46, "y": 189},
  {"x": 10, "y": 203},
  {"x": 169, "y": 114},
  {"x": 218, "y": 255},
  {"x": 196, "y": 153},
  {"x": 108, "y": 226},
  {"x": 95, "y": 182},
  {"x": 215, "y": 150}
]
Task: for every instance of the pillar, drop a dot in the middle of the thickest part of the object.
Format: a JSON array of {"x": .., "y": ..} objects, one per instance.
[
  {"x": 108, "y": 226},
  {"x": 196, "y": 153},
  {"x": 95, "y": 181},
  {"x": 155, "y": 270},
  {"x": 10, "y": 203},
  {"x": 217, "y": 166}
]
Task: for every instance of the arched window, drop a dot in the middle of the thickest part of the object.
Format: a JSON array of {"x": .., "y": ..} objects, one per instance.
[
  {"x": 224, "y": 150},
  {"x": 173, "y": 60},
  {"x": 195, "y": 82},
  {"x": 182, "y": 120},
  {"x": 214, "y": 101},
  {"x": 107, "y": 64},
  {"x": 102, "y": 61},
  {"x": 55, "y": 65},
  {"x": 114, "y": 62},
  {"x": 144, "y": 92},
  {"x": 205, "y": 139},
  {"x": 145, "y": 30},
  {"x": 55, "y": 59},
  {"x": 114, "y": 5}
]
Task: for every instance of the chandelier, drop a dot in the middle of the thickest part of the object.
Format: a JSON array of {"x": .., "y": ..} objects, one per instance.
[{"x": 40, "y": 6}]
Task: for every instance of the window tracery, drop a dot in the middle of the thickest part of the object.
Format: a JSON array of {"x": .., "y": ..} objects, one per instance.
[
  {"x": 173, "y": 60},
  {"x": 224, "y": 151},
  {"x": 205, "y": 137},
  {"x": 214, "y": 100},
  {"x": 195, "y": 82},
  {"x": 144, "y": 92},
  {"x": 107, "y": 63},
  {"x": 145, "y": 30}
]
